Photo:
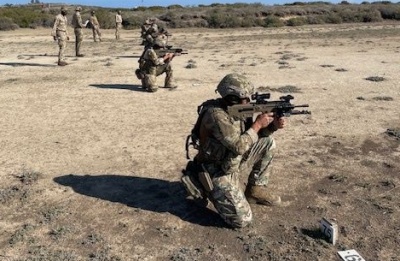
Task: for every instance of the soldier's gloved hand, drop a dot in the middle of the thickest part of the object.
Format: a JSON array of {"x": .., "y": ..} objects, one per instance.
[
  {"x": 168, "y": 57},
  {"x": 279, "y": 123},
  {"x": 67, "y": 38},
  {"x": 55, "y": 38},
  {"x": 262, "y": 121}
]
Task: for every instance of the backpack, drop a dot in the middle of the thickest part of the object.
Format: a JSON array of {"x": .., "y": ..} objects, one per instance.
[{"x": 193, "y": 139}]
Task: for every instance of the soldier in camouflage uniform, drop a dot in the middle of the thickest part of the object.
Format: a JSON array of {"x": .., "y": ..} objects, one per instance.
[
  {"x": 151, "y": 66},
  {"x": 60, "y": 34},
  {"x": 118, "y": 25},
  {"x": 231, "y": 149},
  {"x": 144, "y": 27},
  {"x": 151, "y": 33},
  {"x": 78, "y": 25},
  {"x": 95, "y": 26}
]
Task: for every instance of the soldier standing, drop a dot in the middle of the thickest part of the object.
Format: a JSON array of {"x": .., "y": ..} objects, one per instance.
[
  {"x": 95, "y": 27},
  {"x": 60, "y": 34},
  {"x": 118, "y": 24},
  {"x": 78, "y": 25}
]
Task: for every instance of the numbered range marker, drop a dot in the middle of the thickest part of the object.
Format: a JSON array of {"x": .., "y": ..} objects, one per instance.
[
  {"x": 330, "y": 230},
  {"x": 350, "y": 255}
]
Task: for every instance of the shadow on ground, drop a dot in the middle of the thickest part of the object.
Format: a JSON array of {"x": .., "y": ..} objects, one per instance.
[
  {"x": 43, "y": 55},
  {"x": 128, "y": 56},
  {"x": 131, "y": 87},
  {"x": 145, "y": 193},
  {"x": 28, "y": 64}
]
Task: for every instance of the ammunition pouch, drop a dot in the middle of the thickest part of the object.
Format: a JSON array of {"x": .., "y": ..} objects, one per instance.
[
  {"x": 214, "y": 151},
  {"x": 139, "y": 74},
  {"x": 196, "y": 180},
  {"x": 191, "y": 181},
  {"x": 205, "y": 180}
]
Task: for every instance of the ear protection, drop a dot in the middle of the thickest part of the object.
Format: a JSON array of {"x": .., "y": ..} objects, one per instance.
[{"x": 232, "y": 99}]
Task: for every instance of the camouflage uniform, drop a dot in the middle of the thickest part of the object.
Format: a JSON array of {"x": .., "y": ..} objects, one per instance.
[
  {"x": 95, "y": 27},
  {"x": 60, "y": 32},
  {"x": 151, "y": 33},
  {"x": 229, "y": 150},
  {"x": 118, "y": 25},
  {"x": 78, "y": 25},
  {"x": 144, "y": 27},
  {"x": 152, "y": 66}
]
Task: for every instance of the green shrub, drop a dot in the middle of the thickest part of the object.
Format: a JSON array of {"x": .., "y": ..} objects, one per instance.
[
  {"x": 273, "y": 21},
  {"x": 371, "y": 16},
  {"x": 175, "y": 7},
  {"x": 222, "y": 19},
  {"x": 296, "y": 21},
  {"x": 315, "y": 19},
  {"x": 212, "y": 16},
  {"x": 7, "y": 24},
  {"x": 25, "y": 17},
  {"x": 332, "y": 19},
  {"x": 132, "y": 22},
  {"x": 390, "y": 12}
]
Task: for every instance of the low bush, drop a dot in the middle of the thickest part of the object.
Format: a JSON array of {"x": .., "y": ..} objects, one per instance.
[
  {"x": 211, "y": 16},
  {"x": 296, "y": 21},
  {"x": 7, "y": 24},
  {"x": 273, "y": 21}
]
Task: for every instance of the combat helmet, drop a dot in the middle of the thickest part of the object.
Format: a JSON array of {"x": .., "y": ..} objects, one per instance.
[
  {"x": 78, "y": 8},
  {"x": 235, "y": 87}
]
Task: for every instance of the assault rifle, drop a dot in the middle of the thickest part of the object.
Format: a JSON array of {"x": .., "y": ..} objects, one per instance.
[
  {"x": 280, "y": 108},
  {"x": 169, "y": 49}
]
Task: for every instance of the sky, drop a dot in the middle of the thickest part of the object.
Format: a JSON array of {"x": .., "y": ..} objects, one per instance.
[{"x": 132, "y": 4}]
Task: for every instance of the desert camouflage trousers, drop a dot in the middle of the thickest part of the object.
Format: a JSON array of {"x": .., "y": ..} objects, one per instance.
[
  {"x": 151, "y": 72},
  {"x": 96, "y": 33},
  {"x": 228, "y": 195},
  {"x": 78, "y": 40},
  {"x": 62, "y": 44},
  {"x": 118, "y": 27}
]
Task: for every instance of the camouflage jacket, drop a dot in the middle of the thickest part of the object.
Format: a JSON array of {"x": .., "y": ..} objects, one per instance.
[
  {"x": 93, "y": 20},
  {"x": 151, "y": 58},
  {"x": 60, "y": 24},
  {"x": 223, "y": 139},
  {"x": 77, "y": 20}
]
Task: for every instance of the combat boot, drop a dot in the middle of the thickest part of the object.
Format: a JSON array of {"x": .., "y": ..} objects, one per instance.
[
  {"x": 260, "y": 195},
  {"x": 171, "y": 87},
  {"x": 62, "y": 63}
]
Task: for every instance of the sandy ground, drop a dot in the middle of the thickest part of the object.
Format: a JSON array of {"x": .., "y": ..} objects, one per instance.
[{"x": 90, "y": 164}]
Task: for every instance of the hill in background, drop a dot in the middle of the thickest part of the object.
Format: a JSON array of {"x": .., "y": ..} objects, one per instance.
[{"x": 210, "y": 16}]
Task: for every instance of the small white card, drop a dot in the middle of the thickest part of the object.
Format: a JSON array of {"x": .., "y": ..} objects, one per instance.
[{"x": 350, "y": 255}]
